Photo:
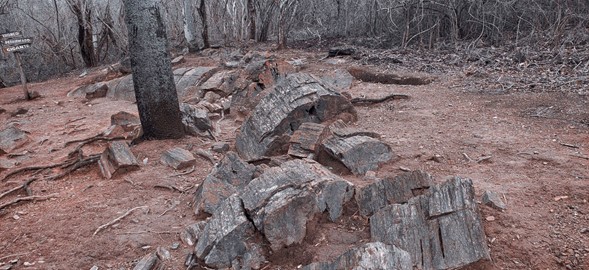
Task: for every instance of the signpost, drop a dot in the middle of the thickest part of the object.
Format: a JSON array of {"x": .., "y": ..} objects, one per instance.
[{"x": 14, "y": 42}]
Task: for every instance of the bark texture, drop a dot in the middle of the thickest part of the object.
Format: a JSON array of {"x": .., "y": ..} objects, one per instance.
[{"x": 157, "y": 100}]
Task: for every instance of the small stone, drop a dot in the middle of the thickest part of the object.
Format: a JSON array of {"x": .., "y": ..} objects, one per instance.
[
  {"x": 220, "y": 147},
  {"x": 146, "y": 247},
  {"x": 16, "y": 217},
  {"x": 163, "y": 253},
  {"x": 94, "y": 267},
  {"x": 493, "y": 199},
  {"x": 6, "y": 267},
  {"x": 175, "y": 246},
  {"x": 178, "y": 158},
  {"x": 490, "y": 218},
  {"x": 178, "y": 60},
  {"x": 585, "y": 230},
  {"x": 28, "y": 263}
]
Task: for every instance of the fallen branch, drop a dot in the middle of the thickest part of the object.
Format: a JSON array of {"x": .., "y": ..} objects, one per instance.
[
  {"x": 581, "y": 156},
  {"x": 484, "y": 159},
  {"x": 467, "y": 157},
  {"x": 569, "y": 145},
  {"x": 369, "y": 101},
  {"x": 82, "y": 162},
  {"x": 29, "y": 198},
  {"x": 13, "y": 255},
  {"x": 104, "y": 226}
]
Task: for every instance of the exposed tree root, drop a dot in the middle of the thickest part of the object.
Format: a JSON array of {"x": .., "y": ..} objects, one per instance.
[
  {"x": 104, "y": 226},
  {"x": 29, "y": 198},
  {"x": 370, "y": 101}
]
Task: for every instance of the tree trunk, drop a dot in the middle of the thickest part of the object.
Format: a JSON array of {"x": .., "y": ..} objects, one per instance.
[
  {"x": 251, "y": 11},
  {"x": 155, "y": 91},
  {"x": 189, "y": 26},
  {"x": 202, "y": 11}
]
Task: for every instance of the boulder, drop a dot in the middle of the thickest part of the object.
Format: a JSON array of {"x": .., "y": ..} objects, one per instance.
[
  {"x": 116, "y": 159},
  {"x": 229, "y": 176},
  {"x": 397, "y": 190},
  {"x": 12, "y": 138},
  {"x": 178, "y": 158},
  {"x": 227, "y": 236},
  {"x": 371, "y": 256},
  {"x": 195, "y": 120},
  {"x": 283, "y": 199},
  {"x": 441, "y": 229},
  {"x": 294, "y": 100},
  {"x": 121, "y": 88},
  {"x": 360, "y": 154}
]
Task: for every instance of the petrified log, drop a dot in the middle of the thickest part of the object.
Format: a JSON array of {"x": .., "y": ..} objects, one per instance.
[
  {"x": 441, "y": 229},
  {"x": 306, "y": 140},
  {"x": 283, "y": 199},
  {"x": 227, "y": 236},
  {"x": 294, "y": 100},
  {"x": 358, "y": 153},
  {"x": 397, "y": 190},
  {"x": 232, "y": 174},
  {"x": 117, "y": 159},
  {"x": 368, "y": 256}
]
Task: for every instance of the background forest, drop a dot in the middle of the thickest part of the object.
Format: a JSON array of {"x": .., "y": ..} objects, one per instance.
[{"x": 72, "y": 34}]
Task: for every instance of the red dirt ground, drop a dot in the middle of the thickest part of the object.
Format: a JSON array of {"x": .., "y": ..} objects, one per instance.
[{"x": 545, "y": 183}]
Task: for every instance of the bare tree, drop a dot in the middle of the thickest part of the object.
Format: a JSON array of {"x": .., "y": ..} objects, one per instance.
[{"x": 155, "y": 91}]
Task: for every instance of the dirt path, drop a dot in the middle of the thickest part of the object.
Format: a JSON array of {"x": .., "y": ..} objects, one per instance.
[{"x": 529, "y": 147}]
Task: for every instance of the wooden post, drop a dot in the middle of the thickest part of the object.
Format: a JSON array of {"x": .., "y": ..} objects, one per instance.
[{"x": 23, "y": 79}]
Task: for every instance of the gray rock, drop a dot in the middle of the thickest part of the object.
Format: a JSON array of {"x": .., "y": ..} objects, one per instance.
[
  {"x": 195, "y": 120},
  {"x": 121, "y": 88},
  {"x": 97, "y": 90},
  {"x": 493, "y": 199},
  {"x": 223, "y": 83},
  {"x": 148, "y": 262},
  {"x": 296, "y": 99},
  {"x": 12, "y": 138},
  {"x": 178, "y": 158},
  {"x": 283, "y": 199},
  {"x": 359, "y": 153},
  {"x": 195, "y": 230},
  {"x": 399, "y": 189},
  {"x": 6, "y": 164},
  {"x": 371, "y": 256},
  {"x": 440, "y": 230},
  {"x": 220, "y": 147},
  {"x": 227, "y": 236},
  {"x": 340, "y": 79},
  {"x": 192, "y": 77},
  {"x": 229, "y": 176}
]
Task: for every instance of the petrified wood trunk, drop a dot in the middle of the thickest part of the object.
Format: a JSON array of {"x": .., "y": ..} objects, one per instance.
[{"x": 294, "y": 100}]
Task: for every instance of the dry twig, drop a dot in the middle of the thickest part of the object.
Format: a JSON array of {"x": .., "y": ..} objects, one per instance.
[
  {"x": 104, "y": 226},
  {"x": 29, "y": 198},
  {"x": 189, "y": 171}
]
